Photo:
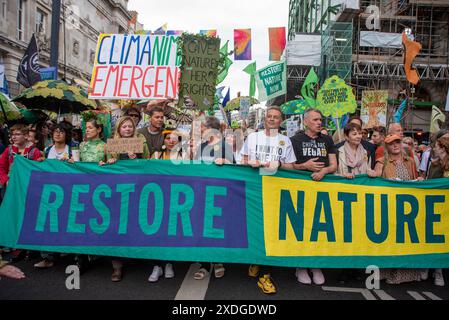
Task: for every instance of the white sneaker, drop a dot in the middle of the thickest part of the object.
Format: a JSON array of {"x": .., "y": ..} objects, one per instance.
[
  {"x": 318, "y": 277},
  {"x": 303, "y": 276},
  {"x": 424, "y": 274},
  {"x": 439, "y": 279},
  {"x": 169, "y": 273},
  {"x": 157, "y": 272}
]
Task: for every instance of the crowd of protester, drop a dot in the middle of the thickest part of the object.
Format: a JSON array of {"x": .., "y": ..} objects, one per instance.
[{"x": 382, "y": 152}]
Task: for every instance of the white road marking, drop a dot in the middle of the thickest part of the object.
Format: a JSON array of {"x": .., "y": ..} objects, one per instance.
[
  {"x": 383, "y": 295},
  {"x": 365, "y": 292},
  {"x": 416, "y": 295},
  {"x": 432, "y": 296},
  {"x": 192, "y": 289}
]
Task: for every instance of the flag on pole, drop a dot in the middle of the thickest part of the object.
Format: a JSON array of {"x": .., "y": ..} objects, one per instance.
[
  {"x": 223, "y": 72},
  {"x": 398, "y": 115},
  {"x": 277, "y": 42},
  {"x": 307, "y": 90},
  {"x": 227, "y": 98},
  {"x": 251, "y": 70},
  {"x": 242, "y": 44},
  {"x": 28, "y": 73},
  {"x": 437, "y": 115}
]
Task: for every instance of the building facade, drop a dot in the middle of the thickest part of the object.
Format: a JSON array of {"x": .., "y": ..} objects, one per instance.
[
  {"x": 361, "y": 42},
  {"x": 81, "y": 22}
]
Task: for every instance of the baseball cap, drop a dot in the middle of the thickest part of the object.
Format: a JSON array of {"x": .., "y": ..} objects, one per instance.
[{"x": 391, "y": 138}]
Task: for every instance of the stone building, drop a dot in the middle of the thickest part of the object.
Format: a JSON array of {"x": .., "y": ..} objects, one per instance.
[{"x": 81, "y": 23}]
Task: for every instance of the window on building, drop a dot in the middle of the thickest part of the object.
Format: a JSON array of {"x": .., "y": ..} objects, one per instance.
[
  {"x": 3, "y": 10},
  {"x": 20, "y": 19},
  {"x": 41, "y": 18}
]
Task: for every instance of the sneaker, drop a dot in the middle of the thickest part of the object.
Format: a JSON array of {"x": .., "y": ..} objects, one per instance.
[
  {"x": 44, "y": 264},
  {"x": 266, "y": 284},
  {"x": 438, "y": 278},
  {"x": 157, "y": 272},
  {"x": 169, "y": 273},
  {"x": 424, "y": 274},
  {"x": 253, "y": 270},
  {"x": 318, "y": 277},
  {"x": 219, "y": 270},
  {"x": 303, "y": 276}
]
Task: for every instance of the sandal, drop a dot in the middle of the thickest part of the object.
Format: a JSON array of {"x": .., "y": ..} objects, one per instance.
[
  {"x": 219, "y": 270},
  {"x": 201, "y": 274}
]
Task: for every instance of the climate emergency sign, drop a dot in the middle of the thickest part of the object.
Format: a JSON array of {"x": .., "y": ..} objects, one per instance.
[{"x": 135, "y": 67}]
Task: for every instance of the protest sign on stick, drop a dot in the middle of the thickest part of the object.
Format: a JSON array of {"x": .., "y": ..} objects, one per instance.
[
  {"x": 135, "y": 67},
  {"x": 199, "y": 69},
  {"x": 272, "y": 81}
]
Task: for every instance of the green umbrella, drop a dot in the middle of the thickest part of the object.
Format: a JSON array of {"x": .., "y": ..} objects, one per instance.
[
  {"x": 235, "y": 103},
  {"x": 294, "y": 107},
  {"x": 8, "y": 108},
  {"x": 57, "y": 96},
  {"x": 33, "y": 116}
]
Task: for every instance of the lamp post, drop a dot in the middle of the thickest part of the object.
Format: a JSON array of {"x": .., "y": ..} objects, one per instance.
[{"x": 54, "y": 52}]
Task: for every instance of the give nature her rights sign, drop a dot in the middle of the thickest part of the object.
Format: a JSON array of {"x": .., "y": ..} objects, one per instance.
[{"x": 135, "y": 67}]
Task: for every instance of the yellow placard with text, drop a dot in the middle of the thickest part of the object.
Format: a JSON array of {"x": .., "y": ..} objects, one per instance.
[{"x": 307, "y": 218}]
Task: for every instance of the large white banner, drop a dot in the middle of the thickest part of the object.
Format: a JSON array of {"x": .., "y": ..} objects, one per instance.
[{"x": 135, "y": 67}]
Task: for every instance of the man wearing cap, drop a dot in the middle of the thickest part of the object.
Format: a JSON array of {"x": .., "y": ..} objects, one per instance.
[{"x": 395, "y": 164}]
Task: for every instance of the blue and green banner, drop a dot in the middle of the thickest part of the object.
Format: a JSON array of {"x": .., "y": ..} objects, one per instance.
[{"x": 155, "y": 209}]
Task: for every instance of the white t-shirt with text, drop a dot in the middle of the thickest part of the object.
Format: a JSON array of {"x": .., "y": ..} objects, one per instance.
[{"x": 259, "y": 146}]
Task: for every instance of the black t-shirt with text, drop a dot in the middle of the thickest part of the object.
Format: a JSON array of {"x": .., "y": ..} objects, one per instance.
[{"x": 307, "y": 148}]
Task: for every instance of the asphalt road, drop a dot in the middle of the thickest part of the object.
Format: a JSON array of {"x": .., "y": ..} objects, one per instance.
[{"x": 95, "y": 284}]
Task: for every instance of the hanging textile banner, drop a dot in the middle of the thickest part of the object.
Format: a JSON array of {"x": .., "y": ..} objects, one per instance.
[
  {"x": 242, "y": 44},
  {"x": 197, "y": 212},
  {"x": 272, "y": 81},
  {"x": 135, "y": 67},
  {"x": 374, "y": 108},
  {"x": 277, "y": 43}
]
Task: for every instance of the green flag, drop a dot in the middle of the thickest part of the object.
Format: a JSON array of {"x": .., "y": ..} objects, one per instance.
[
  {"x": 307, "y": 88},
  {"x": 251, "y": 69},
  {"x": 224, "y": 69}
]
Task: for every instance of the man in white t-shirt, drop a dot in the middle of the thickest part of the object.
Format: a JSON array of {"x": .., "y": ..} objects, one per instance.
[{"x": 268, "y": 150}]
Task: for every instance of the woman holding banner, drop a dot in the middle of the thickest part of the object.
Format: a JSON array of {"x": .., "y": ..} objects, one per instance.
[
  {"x": 92, "y": 150},
  {"x": 62, "y": 151},
  {"x": 352, "y": 157},
  {"x": 395, "y": 165},
  {"x": 439, "y": 169},
  {"x": 124, "y": 129},
  {"x": 171, "y": 150}
]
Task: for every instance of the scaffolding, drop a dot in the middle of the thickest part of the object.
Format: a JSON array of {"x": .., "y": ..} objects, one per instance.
[
  {"x": 336, "y": 54},
  {"x": 310, "y": 16},
  {"x": 379, "y": 65}
]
